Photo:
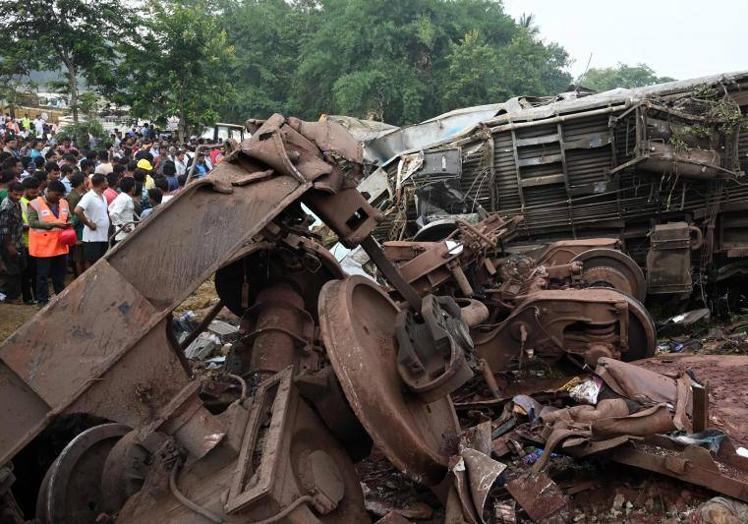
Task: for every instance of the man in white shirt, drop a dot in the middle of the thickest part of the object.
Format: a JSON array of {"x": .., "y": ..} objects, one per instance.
[
  {"x": 92, "y": 211},
  {"x": 122, "y": 209},
  {"x": 39, "y": 126},
  {"x": 180, "y": 162}
]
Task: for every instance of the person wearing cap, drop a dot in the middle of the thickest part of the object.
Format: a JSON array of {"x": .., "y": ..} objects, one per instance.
[
  {"x": 11, "y": 243},
  {"x": 146, "y": 166},
  {"x": 201, "y": 165},
  {"x": 49, "y": 215}
]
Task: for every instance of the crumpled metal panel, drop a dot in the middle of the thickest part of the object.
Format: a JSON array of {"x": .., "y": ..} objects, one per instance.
[
  {"x": 88, "y": 329},
  {"x": 61, "y": 353},
  {"x": 197, "y": 248}
]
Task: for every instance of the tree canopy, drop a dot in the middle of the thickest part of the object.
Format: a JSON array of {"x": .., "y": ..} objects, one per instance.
[
  {"x": 180, "y": 65},
  {"x": 207, "y": 60},
  {"x": 640, "y": 75},
  {"x": 401, "y": 62},
  {"x": 81, "y": 36}
]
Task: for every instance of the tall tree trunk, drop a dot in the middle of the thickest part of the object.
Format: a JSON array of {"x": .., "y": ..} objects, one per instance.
[
  {"x": 182, "y": 123},
  {"x": 73, "y": 87},
  {"x": 13, "y": 95}
]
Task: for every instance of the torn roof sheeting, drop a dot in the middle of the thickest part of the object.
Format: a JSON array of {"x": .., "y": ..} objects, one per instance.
[
  {"x": 437, "y": 129},
  {"x": 363, "y": 131}
]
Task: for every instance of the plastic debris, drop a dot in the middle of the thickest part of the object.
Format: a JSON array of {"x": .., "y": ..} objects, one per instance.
[{"x": 205, "y": 344}]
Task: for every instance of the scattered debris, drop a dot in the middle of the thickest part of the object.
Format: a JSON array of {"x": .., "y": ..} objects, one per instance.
[
  {"x": 203, "y": 346},
  {"x": 331, "y": 398}
]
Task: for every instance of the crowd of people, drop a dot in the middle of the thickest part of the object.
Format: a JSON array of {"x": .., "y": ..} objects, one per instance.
[{"x": 63, "y": 205}]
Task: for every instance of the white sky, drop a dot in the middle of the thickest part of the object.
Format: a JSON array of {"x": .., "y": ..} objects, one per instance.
[{"x": 678, "y": 38}]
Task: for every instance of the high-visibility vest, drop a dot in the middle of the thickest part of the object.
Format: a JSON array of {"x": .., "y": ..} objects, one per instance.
[
  {"x": 25, "y": 216},
  {"x": 45, "y": 243}
]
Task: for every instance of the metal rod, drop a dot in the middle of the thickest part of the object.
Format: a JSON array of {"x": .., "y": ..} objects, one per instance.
[
  {"x": 203, "y": 325},
  {"x": 391, "y": 273}
]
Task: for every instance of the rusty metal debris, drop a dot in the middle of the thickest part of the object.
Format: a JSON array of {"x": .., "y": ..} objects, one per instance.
[{"x": 325, "y": 368}]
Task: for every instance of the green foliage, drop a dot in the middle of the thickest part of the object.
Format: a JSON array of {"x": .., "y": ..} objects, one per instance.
[
  {"x": 622, "y": 75},
  {"x": 397, "y": 61},
  {"x": 14, "y": 66},
  {"x": 88, "y": 103},
  {"x": 179, "y": 66},
  {"x": 80, "y": 35},
  {"x": 401, "y": 61},
  {"x": 79, "y": 133}
]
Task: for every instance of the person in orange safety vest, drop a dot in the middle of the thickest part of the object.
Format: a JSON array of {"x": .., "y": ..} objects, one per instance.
[{"x": 48, "y": 215}]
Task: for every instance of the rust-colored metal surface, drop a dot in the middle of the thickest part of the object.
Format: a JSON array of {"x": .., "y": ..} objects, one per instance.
[
  {"x": 128, "y": 299},
  {"x": 539, "y": 496},
  {"x": 589, "y": 323},
  {"x": 71, "y": 490},
  {"x": 597, "y": 167},
  {"x": 358, "y": 327},
  {"x": 725, "y": 374},
  {"x": 323, "y": 367},
  {"x": 564, "y": 251},
  {"x": 606, "y": 267},
  {"x": 692, "y": 464}
]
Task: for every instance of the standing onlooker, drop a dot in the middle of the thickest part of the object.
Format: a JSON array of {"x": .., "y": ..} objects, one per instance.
[
  {"x": 53, "y": 172},
  {"x": 147, "y": 167},
  {"x": 78, "y": 184},
  {"x": 122, "y": 210},
  {"x": 170, "y": 173},
  {"x": 92, "y": 211},
  {"x": 202, "y": 165},
  {"x": 11, "y": 242},
  {"x": 11, "y": 146},
  {"x": 105, "y": 164},
  {"x": 112, "y": 182},
  {"x": 6, "y": 180},
  {"x": 87, "y": 167},
  {"x": 154, "y": 196},
  {"x": 66, "y": 172},
  {"x": 48, "y": 216},
  {"x": 28, "y": 277},
  {"x": 180, "y": 162},
  {"x": 39, "y": 126}
]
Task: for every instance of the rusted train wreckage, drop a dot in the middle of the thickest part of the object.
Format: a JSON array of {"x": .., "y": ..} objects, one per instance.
[
  {"x": 659, "y": 168},
  {"x": 104, "y": 420}
]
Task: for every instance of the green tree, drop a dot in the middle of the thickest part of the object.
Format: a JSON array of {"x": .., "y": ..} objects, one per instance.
[
  {"x": 179, "y": 66},
  {"x": 81, "y": 36},
  {"x": 603, "y": 79},
  {"x": 403, "y": 62},
  {"x": 473, "y": 71},
  {"x": 268, "y": 37},
  {"x": 14, "y": 70}
]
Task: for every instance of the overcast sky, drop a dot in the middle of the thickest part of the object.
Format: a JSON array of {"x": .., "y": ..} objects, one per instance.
[{"x": 678, "y": 38}]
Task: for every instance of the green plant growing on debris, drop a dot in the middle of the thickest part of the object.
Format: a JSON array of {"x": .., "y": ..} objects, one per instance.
[{"x": 679, "y": 145}]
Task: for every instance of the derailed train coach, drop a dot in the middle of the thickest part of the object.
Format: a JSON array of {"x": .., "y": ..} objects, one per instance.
[{"x": 660, "y": 168}]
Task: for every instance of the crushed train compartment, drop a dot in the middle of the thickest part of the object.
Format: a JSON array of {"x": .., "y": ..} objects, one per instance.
[{"x": 660, "y": 168}]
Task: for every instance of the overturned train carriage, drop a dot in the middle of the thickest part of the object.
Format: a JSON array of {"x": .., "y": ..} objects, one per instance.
[{"x": 660, "y": 168}]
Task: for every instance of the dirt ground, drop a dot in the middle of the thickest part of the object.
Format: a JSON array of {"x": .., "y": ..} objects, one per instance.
[{"x": 12, "y": 317}]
